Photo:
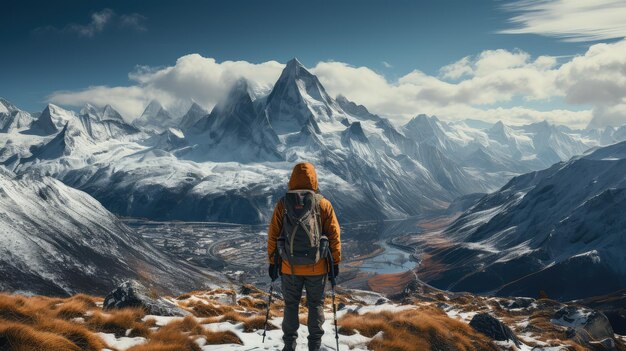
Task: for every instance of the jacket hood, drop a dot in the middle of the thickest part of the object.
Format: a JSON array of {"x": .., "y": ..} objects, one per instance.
[{"x": 303, "y": 176}]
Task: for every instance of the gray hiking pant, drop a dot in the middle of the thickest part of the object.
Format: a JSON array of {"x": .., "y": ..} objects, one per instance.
[{"x": 292, "y": 291}]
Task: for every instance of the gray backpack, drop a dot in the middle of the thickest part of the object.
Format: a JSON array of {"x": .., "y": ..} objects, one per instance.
[{"x": 301, "y": 235}]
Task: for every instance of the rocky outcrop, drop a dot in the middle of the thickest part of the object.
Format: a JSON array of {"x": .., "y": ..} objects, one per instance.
[
  {"x": 487, "y": 324},
  {"x": 133, "y": 294}
]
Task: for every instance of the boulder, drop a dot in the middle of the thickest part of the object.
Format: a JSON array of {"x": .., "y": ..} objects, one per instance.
[
  {"x": 133, "y": 294},
  {"x": 490, "y": 326}
]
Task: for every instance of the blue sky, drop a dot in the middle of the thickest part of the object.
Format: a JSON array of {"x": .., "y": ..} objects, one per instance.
[{"x": 73, "y": 45}]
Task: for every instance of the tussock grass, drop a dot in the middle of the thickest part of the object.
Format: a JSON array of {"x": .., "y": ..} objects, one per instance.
[
  {"x": 182, "y": 335},
  {"x": 13, "y": 309},
  {"x": 252, "y": 303},
  {"x": 21, "y": 337},
  {"x": 251, "y": 322},
  {"x": 76, "y": 333},
  {"x": 73, "y": 309},
  {"x": 206, "y": 309},
  {"x": 53, "y": 324},
  {"x": 427, "y": 329},
  {"x": 117, "y": 321}
]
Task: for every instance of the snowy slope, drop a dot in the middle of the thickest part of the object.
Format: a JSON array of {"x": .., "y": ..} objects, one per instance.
[
  {"x": 560, "y": 230},
  {"x": 58, "y": 240}
]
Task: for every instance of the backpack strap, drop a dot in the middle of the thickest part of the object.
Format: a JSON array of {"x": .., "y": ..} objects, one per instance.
[{"x": 318, "y": 214}]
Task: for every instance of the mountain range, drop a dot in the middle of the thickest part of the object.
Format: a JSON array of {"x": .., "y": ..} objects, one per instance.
[
  {"x": 560, "y": 230},
  {"x": 232, "y": 163}
]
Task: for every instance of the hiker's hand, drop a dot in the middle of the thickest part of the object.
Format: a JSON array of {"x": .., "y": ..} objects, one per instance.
[
  {"x": 273, "y": 272},
  {"x": 335, "y": 271}
]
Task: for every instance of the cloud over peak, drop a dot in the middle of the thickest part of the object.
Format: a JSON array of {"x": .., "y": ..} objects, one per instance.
[{"x": 492, "y": 85}]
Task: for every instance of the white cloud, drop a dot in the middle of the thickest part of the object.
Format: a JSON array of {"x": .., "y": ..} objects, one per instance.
[
  {"x": 100, "y": 20},
  {"x": 458, "y": 69},
  {"x": 590, "y": 86},
  {"x": 193, "y": 77},
  {"x": 387, "y": 64},
  {"x": 570, "y": 20},
  {"x": 595, "y": 81}
]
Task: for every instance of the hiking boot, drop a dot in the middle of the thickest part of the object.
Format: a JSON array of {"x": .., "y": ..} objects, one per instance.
[{"x": 290, "y": 346}]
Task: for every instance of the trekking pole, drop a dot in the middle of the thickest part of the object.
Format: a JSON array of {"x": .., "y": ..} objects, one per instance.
[
  {"x": 267, "y": 313},
  {"x": 333, "y": 282},
  {"x": 277, "y": 264}
]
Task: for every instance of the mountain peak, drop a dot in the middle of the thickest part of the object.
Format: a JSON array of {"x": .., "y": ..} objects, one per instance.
[
  {"x": 355, "y": 132},
  {"x": 238, "y": 92},
  {"x": 422, "y": 121},
  {"x": 91, "y": 110},
  {"x": 6, "y": 106},
  {"x": 110, "y": 113},
  {"x": 294, "y": 63},
  {"x": 498, "y": 127},
  {"x": 194, "y": 114},
  {"x": 298, "y": 97},
  {"x": 295, "y": 70},
  {"x": 241, "y": 86},
  {"x": 153, "y": 107},
  {"x": 155, "y": 117}
]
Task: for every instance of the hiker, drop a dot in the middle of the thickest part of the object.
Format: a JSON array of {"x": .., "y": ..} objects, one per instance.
[{"x": 307, "y": 267}]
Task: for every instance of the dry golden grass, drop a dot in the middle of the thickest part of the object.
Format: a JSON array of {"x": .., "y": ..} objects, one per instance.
[
  {"x": 74, "y": 332},
  {"x": 72, "y": 309},
  {"x": 181, "y": 335},
  {"x": 251, "y": 322},
  {"x": 221, "y": 337},
  {"x": 206, "y": 309},
  {"x": 185, "y": 296},
  {"x": 53, "y": 324},
  {"x": 21, "y": 337},
  {"x": 427, "y": 329},
  {"x": 13, "y": 309},
  {"x": 252, "y": 303},
  {"x": 116, "y": 321}
]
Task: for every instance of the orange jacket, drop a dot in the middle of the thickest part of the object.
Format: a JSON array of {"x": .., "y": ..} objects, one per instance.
[{"x": 304, "y": 177}]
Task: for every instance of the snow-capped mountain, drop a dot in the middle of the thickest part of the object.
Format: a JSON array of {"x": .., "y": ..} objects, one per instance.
[
  {"x": 155, "y": 118},
  {"x": 232, "y": 164},
  {"x": 561, "y": 230},
  {"x": 96, "y": 124},
  {"x": 193, "y": 115},
  {"x": 298, "y": 99},
  {"x": 12, "y": 118},
  {"x": 58, "y": 240},
  {"x": 234, "y": 131}
]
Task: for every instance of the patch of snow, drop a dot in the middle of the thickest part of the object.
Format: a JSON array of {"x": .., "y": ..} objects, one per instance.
[{"x": 122, "y": 343}]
